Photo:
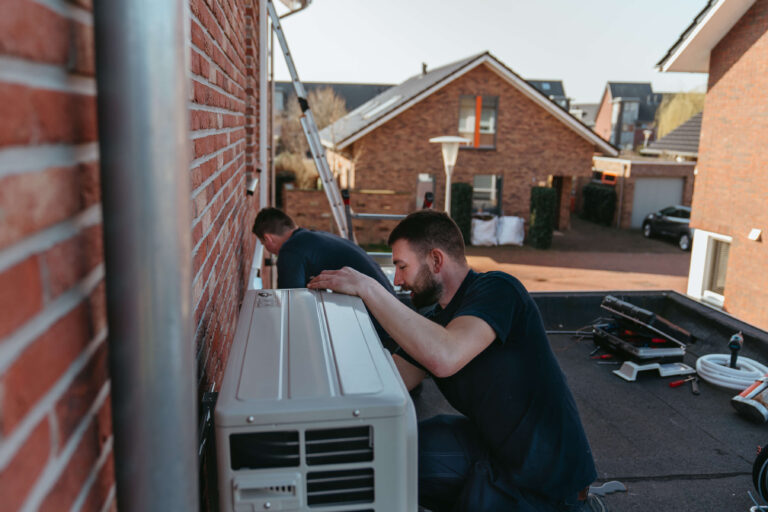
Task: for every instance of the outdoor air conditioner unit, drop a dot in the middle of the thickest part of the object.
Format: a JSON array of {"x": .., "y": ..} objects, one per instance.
[{"x": 312, "y": 414}]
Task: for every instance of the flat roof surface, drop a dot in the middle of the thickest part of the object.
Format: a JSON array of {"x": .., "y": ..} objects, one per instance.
[{"x": 673, "y": 450}]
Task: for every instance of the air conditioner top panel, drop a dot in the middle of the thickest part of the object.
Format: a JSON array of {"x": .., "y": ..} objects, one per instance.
[{"x": 306, "y": 356}]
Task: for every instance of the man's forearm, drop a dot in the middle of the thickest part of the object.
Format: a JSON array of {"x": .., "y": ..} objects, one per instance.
[{"x": 425, "y": 340}]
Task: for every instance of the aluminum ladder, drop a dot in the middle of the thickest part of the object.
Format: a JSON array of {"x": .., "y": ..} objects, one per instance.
[{"x": 310, "y": 131}]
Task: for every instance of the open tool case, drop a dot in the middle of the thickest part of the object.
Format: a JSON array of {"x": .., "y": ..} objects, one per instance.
[{"x": 636, "y": 334}]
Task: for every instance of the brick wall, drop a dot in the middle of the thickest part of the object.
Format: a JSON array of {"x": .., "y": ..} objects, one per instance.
[
  {"x": 55, "y": 421},
  {"x": 309, "y": 208},
  {"x": 55, "y": 418},
  {"x": 732, "y": 183},
  {"x": 531, "y": 145}
]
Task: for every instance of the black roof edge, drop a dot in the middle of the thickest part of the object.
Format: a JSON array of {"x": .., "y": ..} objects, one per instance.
[{"x": 685, "y": 33}]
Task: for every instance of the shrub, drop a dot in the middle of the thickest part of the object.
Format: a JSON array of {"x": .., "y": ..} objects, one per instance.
[
  {"x": 302, "y": 168},
  {"x": 543, "y": 205},
  {"x": 599, "y": 203},
  {"x": 461, "y": 208}
]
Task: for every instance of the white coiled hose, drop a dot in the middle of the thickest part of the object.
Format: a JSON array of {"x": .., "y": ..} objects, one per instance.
[{"x": 714, "y": 369}]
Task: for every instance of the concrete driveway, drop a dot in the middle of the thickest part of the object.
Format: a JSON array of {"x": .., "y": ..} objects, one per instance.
[{"x": 590, "y": 257}]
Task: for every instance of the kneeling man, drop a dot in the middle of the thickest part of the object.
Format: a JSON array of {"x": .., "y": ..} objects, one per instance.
[{"x": 520, "y": 444}]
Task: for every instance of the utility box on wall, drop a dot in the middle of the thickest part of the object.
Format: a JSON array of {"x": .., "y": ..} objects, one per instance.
[{"x": 312, "y": 414}]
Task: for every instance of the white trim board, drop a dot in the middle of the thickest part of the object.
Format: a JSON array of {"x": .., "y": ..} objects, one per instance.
[
  {"x": 523, "y": 86},
  {"x": 692, "y": 54}
]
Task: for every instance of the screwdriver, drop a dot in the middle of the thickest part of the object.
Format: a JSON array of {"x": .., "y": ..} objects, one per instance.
[{"x": 678, "y": 383}]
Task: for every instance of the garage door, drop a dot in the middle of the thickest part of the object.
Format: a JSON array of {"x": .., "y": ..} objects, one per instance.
[{"x": 653, "y": 194}]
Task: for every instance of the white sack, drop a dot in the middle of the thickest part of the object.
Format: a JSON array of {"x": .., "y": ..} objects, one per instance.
[
  {"x": 484, "y": 231},
  {"x": 511, "y": 231}
]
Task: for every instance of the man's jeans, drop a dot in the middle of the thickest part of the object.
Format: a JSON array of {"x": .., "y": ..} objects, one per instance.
[{"x": 455, "y": 473}]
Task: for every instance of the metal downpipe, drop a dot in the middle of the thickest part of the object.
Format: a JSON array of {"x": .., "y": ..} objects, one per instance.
[{"x": 141, "y": 71}]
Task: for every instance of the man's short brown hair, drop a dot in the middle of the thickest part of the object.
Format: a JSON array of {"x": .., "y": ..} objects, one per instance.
[
  {"x": 426, "y": 230},
  {"x": 272, "y": 221}
]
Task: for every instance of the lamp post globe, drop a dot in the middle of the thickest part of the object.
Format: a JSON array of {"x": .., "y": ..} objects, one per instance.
[{"x": 450, "y": 148}]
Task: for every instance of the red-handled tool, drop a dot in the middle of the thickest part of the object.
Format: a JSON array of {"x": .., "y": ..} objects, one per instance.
[{"x": 678, "y": 383}]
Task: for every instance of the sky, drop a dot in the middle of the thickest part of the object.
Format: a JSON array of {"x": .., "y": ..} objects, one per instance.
[{"x": 584, "y": 43}]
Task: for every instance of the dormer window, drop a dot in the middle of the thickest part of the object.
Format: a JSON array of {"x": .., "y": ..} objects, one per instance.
[{"x": 477, "y": 120}]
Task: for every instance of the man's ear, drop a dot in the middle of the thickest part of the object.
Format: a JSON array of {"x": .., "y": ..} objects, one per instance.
[
  {"x": 268, "y": 239},
  {"x": 436, "y": 259}
]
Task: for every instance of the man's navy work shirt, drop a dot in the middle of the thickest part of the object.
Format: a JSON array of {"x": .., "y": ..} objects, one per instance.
[
  {"x": 307, "y": 253},
  {"x": 515, "y": 392}
]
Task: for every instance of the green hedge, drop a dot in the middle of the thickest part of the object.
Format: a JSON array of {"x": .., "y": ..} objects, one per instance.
[
  {"x": 461, "y": 208},
  {"x": 599, "y": 203},
  {"x": 543, "y": 205}
]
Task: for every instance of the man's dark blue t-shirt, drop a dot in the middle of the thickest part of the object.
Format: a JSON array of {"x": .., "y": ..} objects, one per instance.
[
  {"x": 515, "y": 392},
  {"x": 306, "y": 253}
]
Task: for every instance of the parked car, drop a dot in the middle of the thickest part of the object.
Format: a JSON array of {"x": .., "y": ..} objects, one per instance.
[{"x": 671, "y": 222}]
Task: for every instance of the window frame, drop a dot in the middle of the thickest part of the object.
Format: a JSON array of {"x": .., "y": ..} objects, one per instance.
[
  {"x": 476, "y": 132},
  {"x": 708, "y": 295},
  {"x": 496, "y": 192}
]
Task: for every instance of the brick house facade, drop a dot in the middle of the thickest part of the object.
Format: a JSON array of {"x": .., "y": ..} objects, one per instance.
[
  {"x": 56, "y": 431},
  {"x": 536, "y": 142},
  {"x": 728, "y": 267}
]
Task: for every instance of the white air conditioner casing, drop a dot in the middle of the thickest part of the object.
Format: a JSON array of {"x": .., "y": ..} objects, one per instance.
[{"x": 312, "y": 414}]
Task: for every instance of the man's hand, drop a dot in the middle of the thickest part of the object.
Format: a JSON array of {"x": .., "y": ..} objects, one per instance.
[{"x": 345, "y": 280}]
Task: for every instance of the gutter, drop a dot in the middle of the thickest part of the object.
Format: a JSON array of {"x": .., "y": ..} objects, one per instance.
[{"x": 142, "y": 68}]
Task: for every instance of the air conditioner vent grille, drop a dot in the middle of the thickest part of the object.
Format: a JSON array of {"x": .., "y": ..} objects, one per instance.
[
  {"x": 339, "y": 445},
  {"x": 264, "y": 450},
  {"x": 340, "y": 487}
]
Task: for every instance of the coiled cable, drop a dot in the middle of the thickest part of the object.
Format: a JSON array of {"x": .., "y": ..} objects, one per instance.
[{"x": 714, "y": 369}]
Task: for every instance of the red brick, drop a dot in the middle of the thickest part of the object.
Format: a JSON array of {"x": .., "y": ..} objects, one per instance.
[
  {"x": 21, "y": 295},
  {"x": 69, "y": 261},
  {"x": 97, "y": 305},
  {"x": 33, "y": 201},
  {"x": 98, "y": 493},
  {"x": 37, "y": 116},
  {"x": 32, "y": 31},
  {"x": 41, "y": 365},
  {"x": 90, "y": 183},
  {"x": 82, "y": 392},
  {"x": 25, "y": 467},
  {"x": 74, "y": 475}
]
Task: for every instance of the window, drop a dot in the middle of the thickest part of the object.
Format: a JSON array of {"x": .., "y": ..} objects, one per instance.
[
  {"x": 718, "y": 263},
  {"x": 485, "y": 193},
  {"x": 477, "y": 120}
]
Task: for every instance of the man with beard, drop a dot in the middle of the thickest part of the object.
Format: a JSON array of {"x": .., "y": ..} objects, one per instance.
[
  {"x": 520, "y": 444},
  {"x": 303, "y": 253}
]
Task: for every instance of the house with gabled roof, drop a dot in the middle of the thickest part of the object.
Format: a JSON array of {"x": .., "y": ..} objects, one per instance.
[
  {"x": 729, "y": 260},
  {"x": 627, "y": 110},
  {"x": 519, "y": 138}
]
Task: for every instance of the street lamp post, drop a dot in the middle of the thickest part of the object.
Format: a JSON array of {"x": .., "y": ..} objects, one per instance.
[{"x": 450, "y": 147}]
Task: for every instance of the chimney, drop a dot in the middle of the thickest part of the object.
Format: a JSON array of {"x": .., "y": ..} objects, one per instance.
[{"x": 423, "y": 68}]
